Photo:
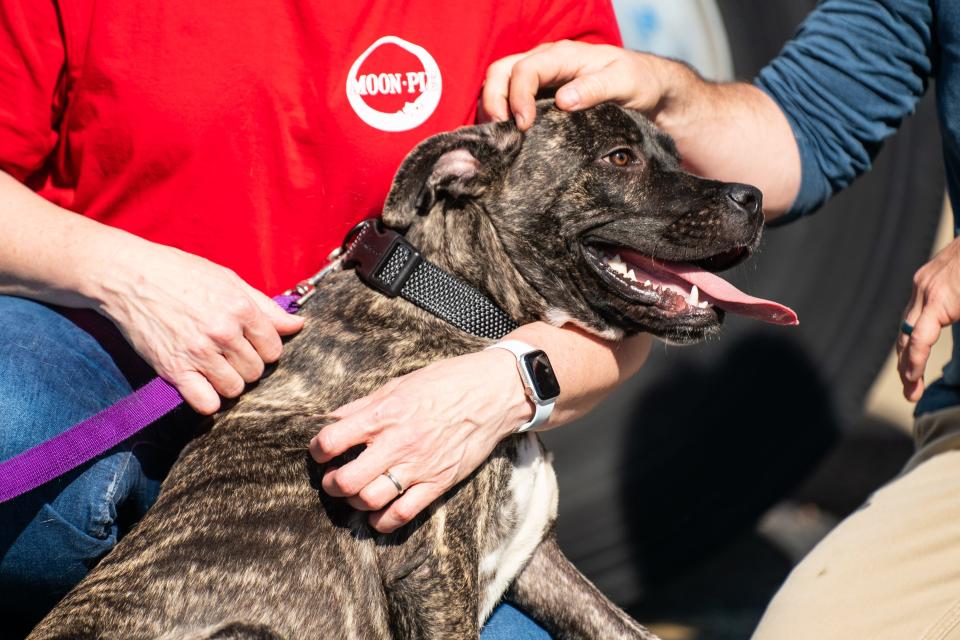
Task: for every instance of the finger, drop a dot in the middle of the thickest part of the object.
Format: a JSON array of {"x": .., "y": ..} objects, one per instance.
[
  {"x": 542, "y": 69},
  {"x": 284, "y": 323},
  {"x": 244, "y": 359},
  {"x": 496, "y": 86},
  {"x": 263, "y": 336},
  {"x": 351, "y": 478},
  {"x": 912, "y": 391},
  {"x": 263, "y": 340},
  {"x": 197, "y": 392},
  {"x": 592, "y": 89},
  {"x": 617, "y": 81},
  {"x": 910, "y": 315},
  {"x": 222, "y": 376},
  {"x": 925, "y": 333},
  {"x": 914, "y": 357},
  {"x": 376, "y": 495},
  {"x": 406, "y": 507},
  {"x": 909, "y": 386},
  {"x": 339, "y": 437}
]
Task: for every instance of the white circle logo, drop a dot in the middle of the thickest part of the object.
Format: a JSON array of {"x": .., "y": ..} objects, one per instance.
[{"x": 398, "y": 89}]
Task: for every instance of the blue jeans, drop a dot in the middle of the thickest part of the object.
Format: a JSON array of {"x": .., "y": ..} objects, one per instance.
[{"x": 53, "y": 373}]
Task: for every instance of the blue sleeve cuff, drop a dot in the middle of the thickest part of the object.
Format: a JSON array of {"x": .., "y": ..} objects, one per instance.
[
  {"x": 813, "y": 193},
  {"x": 845, "y": 82}
]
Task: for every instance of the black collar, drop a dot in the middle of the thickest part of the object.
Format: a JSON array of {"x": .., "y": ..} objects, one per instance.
[{"x": 385, "y": 261}]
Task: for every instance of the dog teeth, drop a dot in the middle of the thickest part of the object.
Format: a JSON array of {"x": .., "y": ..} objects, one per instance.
[
  {"x": 646, "y": 283},
  {"x": 631, "y": 275},
  {"x": 618, "y": 265},
  {"x": 694, "y": 297},
  {"x": 703, "y": 305}
]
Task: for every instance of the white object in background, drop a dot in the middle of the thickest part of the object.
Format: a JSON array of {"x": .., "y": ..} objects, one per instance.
[{"x": 688, "y": 30}]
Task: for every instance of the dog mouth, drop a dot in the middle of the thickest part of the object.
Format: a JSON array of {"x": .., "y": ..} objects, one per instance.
[{"x": 681, "y": 290}]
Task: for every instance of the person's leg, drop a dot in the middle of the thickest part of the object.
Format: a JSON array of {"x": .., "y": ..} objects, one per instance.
[
  {"x": 892, "y": 569},
  {"x": 509, "y": 623},
  {"x": 52, "y": 375}
]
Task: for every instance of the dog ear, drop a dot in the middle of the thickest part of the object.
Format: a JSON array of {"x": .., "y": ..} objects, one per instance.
[{"x": 452, "y": 166}]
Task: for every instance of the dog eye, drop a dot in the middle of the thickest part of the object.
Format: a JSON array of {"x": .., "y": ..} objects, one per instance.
[{"x": 621, "y": 157}]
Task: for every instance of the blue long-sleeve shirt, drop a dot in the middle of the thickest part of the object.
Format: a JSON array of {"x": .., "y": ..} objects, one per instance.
[{"x": 847, "y": 79}]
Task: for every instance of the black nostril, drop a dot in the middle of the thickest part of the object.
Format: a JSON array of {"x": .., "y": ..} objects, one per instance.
[{"x": 745, "y": 197}]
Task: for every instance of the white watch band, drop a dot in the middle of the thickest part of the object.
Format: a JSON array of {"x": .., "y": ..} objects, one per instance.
[{"x": 542, "y": 409}]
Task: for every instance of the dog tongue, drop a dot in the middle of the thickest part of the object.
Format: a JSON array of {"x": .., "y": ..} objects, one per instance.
[{"x": 721, "y": 293}]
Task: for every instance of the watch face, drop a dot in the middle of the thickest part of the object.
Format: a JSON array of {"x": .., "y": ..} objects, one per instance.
[{"x": 541, "y": 374}]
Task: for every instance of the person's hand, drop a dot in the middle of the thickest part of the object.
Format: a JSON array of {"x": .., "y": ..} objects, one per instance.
[
  {"x": 430, "y": 429},
  {"x": 200, "y": 326},
  {"x": 934, "y": 304},
  {"x": 732, "y": 132},
  {"x": 586, "y": 74}
]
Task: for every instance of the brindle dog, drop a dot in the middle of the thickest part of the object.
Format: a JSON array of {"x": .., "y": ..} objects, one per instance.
[{"x": 243, "y": 543}]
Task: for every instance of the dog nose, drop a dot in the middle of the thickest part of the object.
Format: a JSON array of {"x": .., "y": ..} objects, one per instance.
[{"x": 745, "y": 197}]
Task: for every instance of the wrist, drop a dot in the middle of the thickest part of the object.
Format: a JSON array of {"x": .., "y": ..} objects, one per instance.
[
  {"x": 539, "y": 380},
  {"x": 683, "y": 92},
  {"x": 587, "y": 367},
  {"x": 517, "y": 405},
  {"x": 111, "y": 269}
]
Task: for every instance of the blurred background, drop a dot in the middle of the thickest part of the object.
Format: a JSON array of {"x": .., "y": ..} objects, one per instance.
[{"x": 691, "y": 493}]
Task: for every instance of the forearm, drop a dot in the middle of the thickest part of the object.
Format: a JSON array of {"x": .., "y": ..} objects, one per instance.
[
  {"x": 51, "y": 254},
  {"x": 588, "y": 368},
  {"x": 732, "y": 132},
  {"x": 820, "y": 111},
  {"x": 197, "y": 324}
]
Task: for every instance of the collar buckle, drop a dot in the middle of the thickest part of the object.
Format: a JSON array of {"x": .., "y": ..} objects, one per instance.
[{"x": 382, "y": 258}]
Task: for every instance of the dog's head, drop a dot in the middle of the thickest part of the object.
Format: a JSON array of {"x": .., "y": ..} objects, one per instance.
[{"x": 587, "y": 217}]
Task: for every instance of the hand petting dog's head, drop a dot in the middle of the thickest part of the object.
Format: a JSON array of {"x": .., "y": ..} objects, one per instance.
[{"x": 585, "y": 218}]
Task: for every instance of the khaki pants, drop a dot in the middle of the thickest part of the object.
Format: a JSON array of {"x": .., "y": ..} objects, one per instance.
[{"x": 892, "y": 569}]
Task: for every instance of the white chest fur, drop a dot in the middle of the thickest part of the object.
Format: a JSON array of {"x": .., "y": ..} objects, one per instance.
[{"x": 533, "y": 488}]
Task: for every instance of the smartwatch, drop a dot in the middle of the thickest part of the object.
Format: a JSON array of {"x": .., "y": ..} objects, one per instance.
[{"x": 538, "y": 379}]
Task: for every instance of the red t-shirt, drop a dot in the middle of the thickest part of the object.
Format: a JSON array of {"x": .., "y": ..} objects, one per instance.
[{"x": 253, "y": 133}]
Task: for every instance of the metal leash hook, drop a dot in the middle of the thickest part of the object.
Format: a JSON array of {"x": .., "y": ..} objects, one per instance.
[{"x": 305, "y": 289}]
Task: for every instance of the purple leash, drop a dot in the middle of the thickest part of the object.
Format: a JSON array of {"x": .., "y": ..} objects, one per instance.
[{"x": 103, "y": 431}]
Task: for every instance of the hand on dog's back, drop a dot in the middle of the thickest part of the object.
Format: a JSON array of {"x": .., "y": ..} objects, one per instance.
[{"x": 430, "y": 428}]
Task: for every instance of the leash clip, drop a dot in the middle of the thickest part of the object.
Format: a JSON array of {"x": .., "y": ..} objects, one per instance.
[{"x": 304, "y": 291}]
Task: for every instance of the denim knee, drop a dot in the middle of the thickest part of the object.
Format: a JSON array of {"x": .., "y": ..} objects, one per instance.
[
  {"x": 52, "y": 375},
  {"x": 509, "y": 623},
  {"x": 52, "y": 536}
]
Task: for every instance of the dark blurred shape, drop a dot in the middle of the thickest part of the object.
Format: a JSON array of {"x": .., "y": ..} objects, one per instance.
[
  {"x": 869, "y": 455},
  {"x": 714, "y": 446}
]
